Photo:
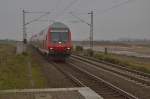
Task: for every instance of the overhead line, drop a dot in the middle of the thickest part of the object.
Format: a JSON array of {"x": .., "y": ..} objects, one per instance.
[
  {"x": 56, "y": 6},
  {"x": 80, "y": 19},
  {"x": 109, "y": 9},
  {"x": 66, "y": 8},
  {"x": 37, "y": 18},
  {"x": 115, "y": 6}
]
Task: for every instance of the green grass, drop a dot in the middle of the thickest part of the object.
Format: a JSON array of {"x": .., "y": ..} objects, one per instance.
[
  {"x": 39, "y": 79},
  {"x": 14, "y": 72},
  {"x": 130, "y": 62}
]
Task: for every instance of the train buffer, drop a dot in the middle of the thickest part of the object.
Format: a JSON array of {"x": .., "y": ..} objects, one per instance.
[{"x": 50, "y": 93}]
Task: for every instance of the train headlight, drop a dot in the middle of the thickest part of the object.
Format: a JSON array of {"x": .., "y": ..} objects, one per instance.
[
  {"x": 51, "y": 48},
  {"x": 59, "y": 42},
  {"x": 68, "y": 48}
]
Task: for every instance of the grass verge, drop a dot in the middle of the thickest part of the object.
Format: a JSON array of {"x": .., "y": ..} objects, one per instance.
[
  {"x": 131, "y": 62},
  {"x": 37, "y": 75},
  {"x": 14, "y": 71}
]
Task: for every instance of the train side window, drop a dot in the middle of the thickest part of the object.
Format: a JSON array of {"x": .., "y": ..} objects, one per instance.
[{"x": 46, "y": 37}]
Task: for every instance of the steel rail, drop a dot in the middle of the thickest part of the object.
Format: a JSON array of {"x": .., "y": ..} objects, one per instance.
[
  {"x": 117, "y": 90},
  {"x": 140, "y": 79},
  {"x": 120, "y": 91},
  {"x": 123, "y": 67},
  {"x": 70, "y": 76},
  {"x": 125, "y": 94}
]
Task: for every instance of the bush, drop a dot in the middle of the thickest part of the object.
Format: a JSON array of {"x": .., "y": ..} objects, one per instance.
[
  {"x": 108, "y": 58},
  {"x": 79, "y": 48},
  {"x": 114, "y": 60},
  {"x": 90, "y": 52},
  {"x": 25, "y": 53}
]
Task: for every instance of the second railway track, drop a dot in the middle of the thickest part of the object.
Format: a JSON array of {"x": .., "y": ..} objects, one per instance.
[{"x": 138, "y": 78}]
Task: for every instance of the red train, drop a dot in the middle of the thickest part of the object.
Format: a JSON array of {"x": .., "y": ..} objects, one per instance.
[{"x": 54, "y": 41}]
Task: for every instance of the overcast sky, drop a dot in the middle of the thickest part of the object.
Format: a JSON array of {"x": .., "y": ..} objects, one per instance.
[{"x": 130, "y": 20}]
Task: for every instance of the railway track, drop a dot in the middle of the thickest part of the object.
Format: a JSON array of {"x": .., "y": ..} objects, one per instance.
[
  {"x": 82, "y": 76},
  {"x": 136, "y": 76},
  {"x": 87, "y": 79}
]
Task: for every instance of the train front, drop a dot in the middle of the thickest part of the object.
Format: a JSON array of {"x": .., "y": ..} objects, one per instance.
[{"x": 60, "y": 44}]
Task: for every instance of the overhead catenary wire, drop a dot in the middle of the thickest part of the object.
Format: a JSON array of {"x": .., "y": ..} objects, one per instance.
[
  {"x": 57, "y": 4},
  {"x": 46, "y": 13},
  {"x": 105, "y": 10},
  {"x": 54, "y": 10},
  {"x": 83, "y": 21},
  {"x": 102, "y": 11},
  {"x": 66, "y": 8},
  {"x": 113, "y": 7},
  {"x": 91, "y": 25},
  {"x": 96, "y": 11}
]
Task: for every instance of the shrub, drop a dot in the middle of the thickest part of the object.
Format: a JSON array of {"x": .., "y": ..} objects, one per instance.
[
  {"x": 110, "y": 58},
  {"x": 79, "y": 48}
]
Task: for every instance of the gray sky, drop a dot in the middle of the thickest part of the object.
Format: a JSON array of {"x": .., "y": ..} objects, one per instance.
[{"x": 131, "y": 20}]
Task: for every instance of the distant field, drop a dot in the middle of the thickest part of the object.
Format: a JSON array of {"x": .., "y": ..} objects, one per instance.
[
  {"x": 141, "y": 64},
  {"x": 138, "y": 50},
  {"x": 134, "y": 55},
  {"x": 14, "y": 71},
  {"x": 132, "y": 48}
]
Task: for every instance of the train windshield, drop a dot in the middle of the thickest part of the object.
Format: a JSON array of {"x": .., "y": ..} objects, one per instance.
[{"x": 59, "y": 37}]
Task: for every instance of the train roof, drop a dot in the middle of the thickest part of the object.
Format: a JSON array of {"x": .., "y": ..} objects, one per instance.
[{"x": 58, "y": 25}]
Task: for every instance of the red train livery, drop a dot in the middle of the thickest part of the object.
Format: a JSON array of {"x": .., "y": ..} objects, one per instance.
[{"x": 54, "y": 41}]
